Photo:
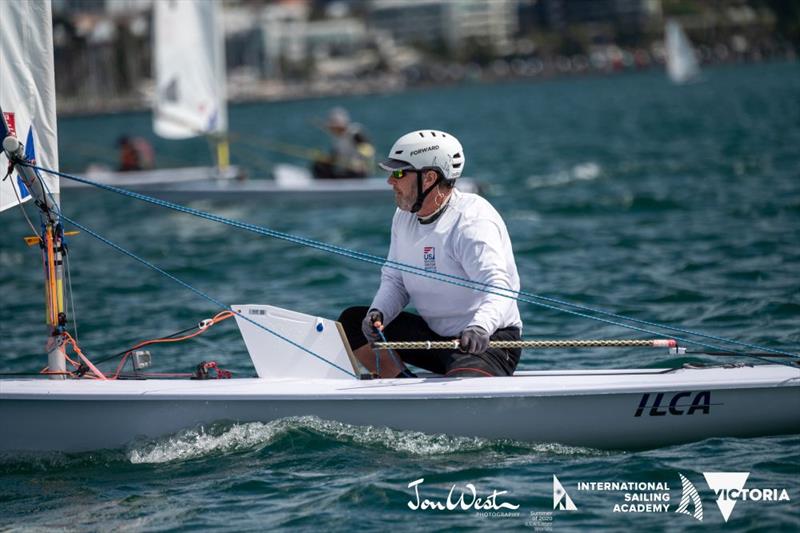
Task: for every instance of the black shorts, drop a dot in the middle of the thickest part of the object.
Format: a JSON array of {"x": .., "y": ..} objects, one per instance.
[{"x": 449, "y": 362}]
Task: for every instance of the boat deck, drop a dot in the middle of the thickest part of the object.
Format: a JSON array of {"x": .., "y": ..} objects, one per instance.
[{"x": 523, "y": 383}]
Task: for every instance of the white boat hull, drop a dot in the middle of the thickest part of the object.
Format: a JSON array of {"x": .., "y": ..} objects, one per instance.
[
  {"x": 156, "y": 179},
  {"x": 607, "y": 409},
  {"x": 203, "y": 183}
]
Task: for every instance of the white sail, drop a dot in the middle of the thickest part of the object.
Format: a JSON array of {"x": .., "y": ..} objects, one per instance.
[
  {"x": 682, "y": 63},
  {"x": 28, "y": 92},
  {"x": 189, "y": 67}
]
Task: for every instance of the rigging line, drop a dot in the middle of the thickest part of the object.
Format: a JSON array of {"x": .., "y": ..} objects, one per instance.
[
  {"x": 25, "y": 213},
  {"x": 120, "y": 354},
  {"x": 421, "y": 272},
  {"x": 198, "y": 292},
  {"x": 71, "y": 294},
  {"x": 181, "y": 282}
]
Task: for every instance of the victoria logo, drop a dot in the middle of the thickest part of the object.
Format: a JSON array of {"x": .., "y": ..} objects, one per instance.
[
  {"x": 729, "y": 488},
  {"x": 561, "y": 499}
]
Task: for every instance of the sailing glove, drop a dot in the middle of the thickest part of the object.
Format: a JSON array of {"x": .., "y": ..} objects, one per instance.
[
  {"x": 474, "y": 339},
  {"x": 368, "y": 325}
]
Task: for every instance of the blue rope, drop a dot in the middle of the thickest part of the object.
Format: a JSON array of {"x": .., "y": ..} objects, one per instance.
[
  {"x": 398, "y": 361},
  {"x": 447, "y": 278},
  {"x": 200, "y": 293}
]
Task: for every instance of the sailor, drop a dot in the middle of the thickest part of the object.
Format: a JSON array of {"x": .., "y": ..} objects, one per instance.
[
  {"x": 351, "y": 154},
  {"x": 439, "y": 229},
  {"x": 135, "y": 153}
]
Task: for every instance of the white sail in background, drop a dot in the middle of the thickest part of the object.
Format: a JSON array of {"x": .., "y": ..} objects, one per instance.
[
  {"x": 682, "y": 63},
  {"x": 189, "y": 67},
  {"x": 28, "y": 91}
]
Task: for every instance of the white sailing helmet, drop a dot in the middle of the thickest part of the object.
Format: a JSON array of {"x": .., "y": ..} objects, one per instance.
[{"x": 427, "y": 149}]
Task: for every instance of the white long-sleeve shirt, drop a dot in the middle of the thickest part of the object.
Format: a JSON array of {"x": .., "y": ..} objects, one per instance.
[{"x": 468, "y": 240}]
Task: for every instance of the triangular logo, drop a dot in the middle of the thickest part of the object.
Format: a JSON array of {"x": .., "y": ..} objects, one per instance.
[
  {"x": 724, "y": 484},
  {"x": 689, "y": 496},
  {"x": 561, "y": 499}
]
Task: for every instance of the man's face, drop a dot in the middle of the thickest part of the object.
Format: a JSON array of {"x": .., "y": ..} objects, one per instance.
[
  {"x": 405, "y": 189},
  {"x": 337, "y": 130}
]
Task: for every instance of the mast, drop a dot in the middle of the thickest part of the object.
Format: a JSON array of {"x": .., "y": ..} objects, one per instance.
[
  {"x": 28, "y": 111},
  {"x": 52, "y": 244}
]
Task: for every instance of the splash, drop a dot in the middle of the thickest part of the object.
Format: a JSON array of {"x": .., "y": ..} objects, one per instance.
[
  {"x": 232, "y": 438},
  {"x": 201, "y": 442}
]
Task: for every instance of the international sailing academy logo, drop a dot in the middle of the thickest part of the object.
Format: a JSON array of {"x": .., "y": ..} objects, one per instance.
[
  {"x": 729, "y": 488},
  {"x": 561, "y": 499},
  {"x": 689, "y": 496}
]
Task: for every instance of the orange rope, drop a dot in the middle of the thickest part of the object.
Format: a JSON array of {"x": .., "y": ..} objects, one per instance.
[
  {"x": 96, "y": 374},
  {"x": 219, "y": 317},
  {"x": 224, "y": 315},
  {"x": 95, "y": 371}
]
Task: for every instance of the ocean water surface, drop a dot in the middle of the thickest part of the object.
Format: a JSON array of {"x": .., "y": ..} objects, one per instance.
[{"x": 674, "y": 204}]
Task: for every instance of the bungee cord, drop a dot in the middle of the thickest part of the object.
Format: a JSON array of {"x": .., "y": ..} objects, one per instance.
[{"x": 541, "y": 301}]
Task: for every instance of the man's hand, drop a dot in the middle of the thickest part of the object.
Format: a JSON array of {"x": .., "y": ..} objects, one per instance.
[
  {"x": 371, "y": 324},
  {"x": 474, "y": 339}
]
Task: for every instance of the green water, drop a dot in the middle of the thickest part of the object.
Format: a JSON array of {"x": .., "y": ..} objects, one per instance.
[{"x": 679, "y": 205}]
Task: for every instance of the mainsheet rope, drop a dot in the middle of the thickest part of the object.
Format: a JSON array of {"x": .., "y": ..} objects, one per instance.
[{"x": 447, "y": 278}]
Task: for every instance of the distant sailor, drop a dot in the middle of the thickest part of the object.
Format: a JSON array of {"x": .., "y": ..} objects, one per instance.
[
  {"x": 440, "y": 229},
  {"x": 351, "y": 156},
  {"x": 135, "y": 153}
]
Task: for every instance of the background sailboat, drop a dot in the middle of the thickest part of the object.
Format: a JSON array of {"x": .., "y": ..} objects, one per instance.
[
  {"x": 190, "y": 97},
  {"x": 682, "y": 65},
  {"x": 190, "y": 101}
]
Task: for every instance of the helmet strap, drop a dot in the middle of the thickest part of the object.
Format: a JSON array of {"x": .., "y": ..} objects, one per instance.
[{"x": 421, "y": 195}]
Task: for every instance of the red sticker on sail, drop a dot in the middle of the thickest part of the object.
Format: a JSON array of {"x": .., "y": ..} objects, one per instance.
[{"x": 11, "y": 121}]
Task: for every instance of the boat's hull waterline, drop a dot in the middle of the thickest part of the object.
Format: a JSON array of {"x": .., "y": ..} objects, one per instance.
[{"x": 606, "y": 409}]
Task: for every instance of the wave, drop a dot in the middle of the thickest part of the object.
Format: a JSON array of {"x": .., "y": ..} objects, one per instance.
[
  {"x": 587, "y": 171},
  {"x": 253, "y": 436}
]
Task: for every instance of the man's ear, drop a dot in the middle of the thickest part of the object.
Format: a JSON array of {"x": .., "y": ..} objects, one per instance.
[{"x": 430, "y": 178}]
